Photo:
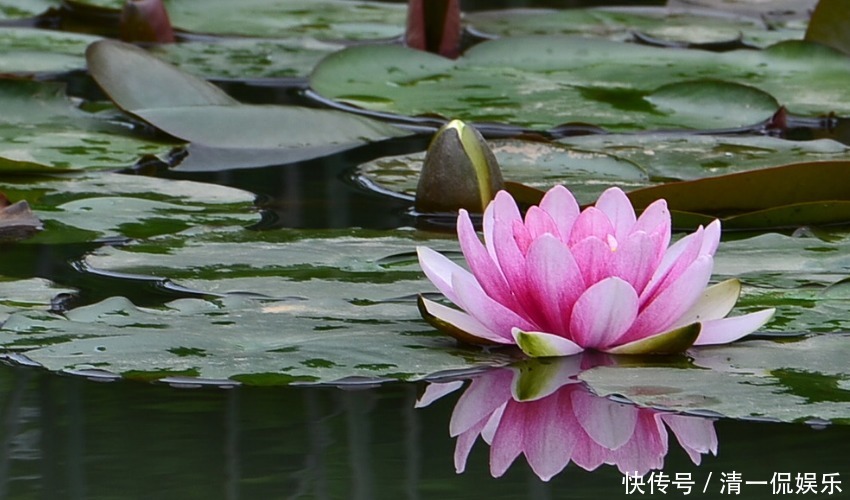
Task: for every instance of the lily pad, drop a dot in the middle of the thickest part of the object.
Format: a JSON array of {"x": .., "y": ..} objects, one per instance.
[
  {"x": 241, "y": 58},
  {"x": 784, "y": 381},
  {"x": 672, "y": 156},
  {"x": 198, "y": 112},
  {"x": 539, "y": 164},
  {"x": 89, "y": 207},
  {"x": 41, "y": 130},
  {"x": 31, "y": 293},
  {"x": 618, "y": 23},
  {"x": 310, "y": 319},
  {"x": 17, "y": 9},
  {"x": 543, "y": 81},
  {"x": 29, "y": 51}
]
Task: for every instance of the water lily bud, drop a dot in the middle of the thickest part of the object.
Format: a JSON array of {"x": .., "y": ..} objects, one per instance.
[
  {"x": 460, "y": 171},
  {"x": 146, "y": 21},
  {"x": 434, "y": 26}
]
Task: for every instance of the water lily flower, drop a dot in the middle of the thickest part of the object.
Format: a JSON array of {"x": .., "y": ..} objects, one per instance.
[
  {"x": 553, "y": 419},
  {"x": 563, "y": 280}
]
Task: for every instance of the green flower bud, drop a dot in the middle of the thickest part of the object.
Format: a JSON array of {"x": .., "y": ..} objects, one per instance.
[{"x": 460, "y": 171}]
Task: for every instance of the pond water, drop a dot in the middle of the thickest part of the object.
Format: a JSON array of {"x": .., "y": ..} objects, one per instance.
[
  {"x": 90, "y": 435},
  {"x": 66, "y": 437}
]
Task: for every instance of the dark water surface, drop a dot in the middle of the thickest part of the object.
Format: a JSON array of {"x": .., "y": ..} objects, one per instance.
[{"x": 67, "y": 437}]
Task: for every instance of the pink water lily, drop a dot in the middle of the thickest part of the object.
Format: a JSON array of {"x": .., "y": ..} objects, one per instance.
[{"x": 563, "y": 280}]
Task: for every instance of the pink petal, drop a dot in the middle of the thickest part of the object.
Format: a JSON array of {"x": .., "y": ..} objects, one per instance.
[
  {"x": 655, "y": 219},
  {"x": 554, "y": 281},
  {"x": 484, "y": 395},
  {"x": 672, "y": 302},
  {"x": 547, "y": 442},
  {"x": 464, "y": 444},
  {"x": 538, "y": 223},
  {"x": 511, "y": 261},
  {"x": 647, "y": 448},
  {"x": 522, "y": 237},
  {"x": 723, "y": 331},
  {"x": 592, "y": 255},
  {"x": 603, "y": 313},
  {"x": 609, "y": 424},
  {"x": 591, "y": 222},
  {"x": 509, "y": 438},
  {"x": 561, "y": 205},
  {"x": 676, "y": 259},
  {"x": 636, "y": 259},
  {"x": 616, "y": 205},
  {"x": 712, "y": 238},
  {"x": 439, "y": 269},
  {"x": 487, "y": 223},
  {"x": 696, "y": 435},
  {"x": 493, "y": 315},
  {"x": 481, "y": 264},
  {"x": 435, "y": 391},
  {"x": 463, "y": 321}
]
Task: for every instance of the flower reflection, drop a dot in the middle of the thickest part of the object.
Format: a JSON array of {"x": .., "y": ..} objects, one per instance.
[{"x": 539, "y": 409}]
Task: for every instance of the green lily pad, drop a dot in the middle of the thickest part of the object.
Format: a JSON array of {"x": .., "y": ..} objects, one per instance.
[
  {"x": 618, "y": 23},
  {"x": 41, "y": 130},
  {"x": 196, "y": 111},
  {"x": 328, "y": 305},
  {"x": 17, "y": 9},
  {"x": 785, "y": 381},
  {"x": 326, "y": 19},
  {"x": 88, "y": 207},
  {"x": 241, "y": 58},
  {"x": 32, "y": 293},
  {"x": 35, "y": 51},
  {"x": 686, "y": 156},
  {"x": 543, "y": 81},
  {"x": 538, "y": 164}
]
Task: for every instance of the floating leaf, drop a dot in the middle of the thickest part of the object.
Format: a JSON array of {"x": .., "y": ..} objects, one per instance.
[
  {"x": 618, "y": 23},
  {"x": 539, "y": 164},
  {"x": 29, "y": 51},
  {"x": 41, "y": 130},
  {"x": 89, "y": 207},
  {"x": 31, "y": 293},
  {"x": 543, "y": 81},
  {"x": 804, "y": 193},
  {"x": 784, "y": 381},
  {"x": 198, "y": 112},
  {"x": 135, "y": 80},
  {"x": 320, "y": 318}
]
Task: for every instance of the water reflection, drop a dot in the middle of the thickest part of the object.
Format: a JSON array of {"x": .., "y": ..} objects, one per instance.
[{"x": 541, "y": 410}]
